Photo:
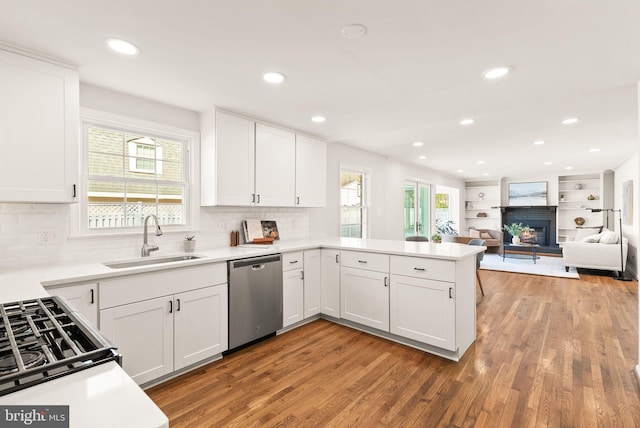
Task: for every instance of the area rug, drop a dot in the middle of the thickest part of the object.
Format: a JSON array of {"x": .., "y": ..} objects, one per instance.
[{"x": 545, "y": 265}]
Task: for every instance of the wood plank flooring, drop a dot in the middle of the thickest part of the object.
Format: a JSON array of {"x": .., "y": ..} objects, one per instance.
[{"x": 550, "y": 352}]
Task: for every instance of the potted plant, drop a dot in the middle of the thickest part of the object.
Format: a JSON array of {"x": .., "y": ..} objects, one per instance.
[
  {"x": 189, "y": 243},
  {"x": 436, "y": 237},
  {"x": 515, "y": 229}
]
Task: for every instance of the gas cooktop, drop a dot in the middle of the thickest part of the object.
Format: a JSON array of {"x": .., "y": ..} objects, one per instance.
[{"x": 44, "y": 339}]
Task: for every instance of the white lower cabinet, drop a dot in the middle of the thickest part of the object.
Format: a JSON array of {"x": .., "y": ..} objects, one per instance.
[
  {"x": 82, "y": 297},
  {"x": 330, "y": 282},
  {"x": 161, "y": 332},
  {"x": 292, "y": 297},
  {"x": 301, "y": 292},
  {"x": 312, "y": 285},
  {"x": 423, "y": 310},
  {"x": 365, "y": 297}
]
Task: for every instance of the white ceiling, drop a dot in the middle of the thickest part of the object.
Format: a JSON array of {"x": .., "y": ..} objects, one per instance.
[{"x": 414, "y": 75}]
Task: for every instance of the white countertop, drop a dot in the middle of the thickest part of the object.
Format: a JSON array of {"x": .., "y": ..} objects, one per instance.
[
  {"x": 100, "y": 397},
  {"x": 105, "y": 395}
]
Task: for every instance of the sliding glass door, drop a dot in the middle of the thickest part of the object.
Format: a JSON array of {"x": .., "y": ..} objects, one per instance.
[{"x": 417, "y": 211}]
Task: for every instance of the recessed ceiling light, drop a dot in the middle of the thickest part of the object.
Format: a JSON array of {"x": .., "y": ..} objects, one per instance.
[
  {"x": 418, "y": 144},
  {"x": 538, "y": 143},
  {"x": 354, "y": 31},
  {"x": 274, "y": 77},
  {"x": 460, "y": 170},
  {"x": 123, "y": 47},
  {"x": 466, "y": 122},
  {"x": 318, "y": 119},
  {"x": 496, "y": 72},
  {"x": 422, "y": 157},
  {"x": 548, "y": 163},
  {"x": 480, "y": 162},
  {"x": 568, "y": 167},
  {"x": 485, "y": 174},
  {"x": 594, "y": 150},
  {"x": 570, "y": 121}
]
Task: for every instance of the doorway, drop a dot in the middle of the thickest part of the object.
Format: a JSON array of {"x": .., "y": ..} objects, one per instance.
[{"x": 417, "y": 209}]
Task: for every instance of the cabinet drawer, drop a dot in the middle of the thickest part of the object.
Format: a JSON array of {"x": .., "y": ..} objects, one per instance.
[
  {"x": 368, "y": 261},
  {"x": 144, "y": 286},
  {"x": 293, "y": 260},
  {"x": 418, "y": 267}
]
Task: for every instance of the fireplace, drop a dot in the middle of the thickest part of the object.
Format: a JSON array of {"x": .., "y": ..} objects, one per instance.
[{"x": 542, "y": 219}]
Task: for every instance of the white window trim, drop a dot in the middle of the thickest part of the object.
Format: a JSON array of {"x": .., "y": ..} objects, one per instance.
[
  {"x": 366, "y": 196},
  {"x": 110, "y": 120}
]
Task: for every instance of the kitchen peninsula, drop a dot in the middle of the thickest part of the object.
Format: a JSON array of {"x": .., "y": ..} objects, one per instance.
[{"x": 425, "y": 294}]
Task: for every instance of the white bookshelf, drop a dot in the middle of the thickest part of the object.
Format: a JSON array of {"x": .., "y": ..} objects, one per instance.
[{"x": 482, "y": 199}]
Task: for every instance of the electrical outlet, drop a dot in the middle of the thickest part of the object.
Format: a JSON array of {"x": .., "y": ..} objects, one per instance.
[{"x": 47, "y": 236}]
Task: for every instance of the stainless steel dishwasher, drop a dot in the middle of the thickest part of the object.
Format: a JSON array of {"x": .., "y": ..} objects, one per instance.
[{"x": 255, "y": 298}]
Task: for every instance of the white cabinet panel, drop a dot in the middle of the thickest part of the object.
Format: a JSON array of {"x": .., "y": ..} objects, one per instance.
[
  {"x": 293, "y": 260},
  {"x": 365, "y": 297},
  {"x": 143, "y": 334},
  {"x": 363, "y": 260},
  {"x": 200, "y": 325},
  {"x": 312, "y": 285},
  {"x": 39, "y": 163},
  {"x": 311, "y": 172},
  {"x": 292, "y": 297},
  {"x": 83, "y": 298},
  {"x": 330, "y": 282},
  {"x": 423, "y": 310},
  {"x": 419, "y": 267},
  {"x": 275, "y": 166},
  {"x": 227, "y": 160}
]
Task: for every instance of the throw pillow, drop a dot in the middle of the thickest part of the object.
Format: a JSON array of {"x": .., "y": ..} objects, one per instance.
[
  {"x": 474, "y": 233},
  {"x": 592, "y": 238},
  {"x": 485, "y": 235},
  {"x": 609, "y": 238},
  {"x": 587, "y": 231}
]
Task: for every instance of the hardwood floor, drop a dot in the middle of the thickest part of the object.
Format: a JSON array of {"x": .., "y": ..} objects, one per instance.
[{"x": 550, "y": 352}]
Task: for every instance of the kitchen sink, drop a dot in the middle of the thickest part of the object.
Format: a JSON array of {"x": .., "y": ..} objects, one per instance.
[{"x": 150, "y": 261}]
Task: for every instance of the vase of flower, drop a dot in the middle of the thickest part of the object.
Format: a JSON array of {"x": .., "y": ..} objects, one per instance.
[
  {"x": 189, "y": 244},
  {"x": 515, "y": 230}
]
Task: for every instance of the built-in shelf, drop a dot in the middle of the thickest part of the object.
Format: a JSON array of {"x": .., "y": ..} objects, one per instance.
[{"x": 482, "y": 197}]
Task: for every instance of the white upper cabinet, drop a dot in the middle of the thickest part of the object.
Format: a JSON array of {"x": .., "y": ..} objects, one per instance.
[
  {"x": 311, "y": 172},
  {"x": 227, "y": 160},
  {"x": 39, "y": 117},
  {"x": 244, "y": 163},
  {"x": 275, "y": 166}
]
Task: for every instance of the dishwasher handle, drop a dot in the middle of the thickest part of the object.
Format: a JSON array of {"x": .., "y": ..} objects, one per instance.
[{"x": 258, "y": 267}]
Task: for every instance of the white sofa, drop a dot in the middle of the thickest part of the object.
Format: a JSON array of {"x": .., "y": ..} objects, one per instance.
[{"x": 594, "y": 255}]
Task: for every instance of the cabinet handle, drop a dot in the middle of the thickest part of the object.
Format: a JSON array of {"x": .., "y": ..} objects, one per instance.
[
  {"x": 297, "y": 200},
  {"x": 386, "y": 281},
  {"x": 170, "y": 306},
  {"x": 74, "y": 190},
  {"x": 92, "y": 297},
  {"x": 451, "y": 292},
  {"x": 178, "y": 308},
  {"x": 420, "y": 269},
  {"x": 293, "y": 261},
  {"x": 258, "y": 201},
  {"x": 337, "y": 258},
  {"x": 301, "y": 274},
  {"x": 362, "y": 261},
  {"x": 253, "y": 197}
]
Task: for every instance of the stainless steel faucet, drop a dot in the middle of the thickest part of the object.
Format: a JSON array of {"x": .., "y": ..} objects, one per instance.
[{"x": 146, "y": 248}]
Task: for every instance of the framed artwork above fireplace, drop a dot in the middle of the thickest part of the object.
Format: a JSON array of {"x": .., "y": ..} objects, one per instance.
[{"x": 528, "y": 194}]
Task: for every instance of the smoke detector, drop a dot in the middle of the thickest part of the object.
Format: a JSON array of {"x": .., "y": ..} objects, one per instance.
[{"x": 354, "y": 31}]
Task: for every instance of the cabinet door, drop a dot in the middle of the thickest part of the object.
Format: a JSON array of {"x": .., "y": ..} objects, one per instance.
[
  {"x": 312, "y": 286},
  {"x": 423, "y": 310},
  {"x": 292, "y": 297},
  {"x": 143, "y": 334},
  {"x": 311, "y": 172},
  {"x": 330, "y": 283},
  {"x": 200, "y": 324},
  {"x": 365, "y": 297},
  {"x": 275, "y": 167},
  {"x": 82, "y": 298},
  {"x": 39, "y": 163},
  {"x": 234, "y": 162}
]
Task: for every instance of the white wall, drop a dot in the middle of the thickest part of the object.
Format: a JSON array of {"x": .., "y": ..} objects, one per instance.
[
  {"x": 387, "y": 177},
  {"x": 629, "y": 170}
]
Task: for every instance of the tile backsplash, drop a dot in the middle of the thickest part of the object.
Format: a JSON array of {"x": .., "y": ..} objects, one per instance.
[{"x": 35, "y": 235}]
